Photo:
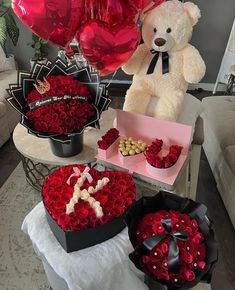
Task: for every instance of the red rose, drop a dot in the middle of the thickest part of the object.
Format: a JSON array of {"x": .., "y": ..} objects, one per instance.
[
  {"x": 176, "y": 278},
  {"x": 175, "y": 149},
  {"x": 54, "y": 181},
  {"x": 158, "y": 227},
  {"x": 163, "y": 275},
  {"x": 145, "y": 259},
  {"x": 151, "y": 161},
  {"x": 189, "y": 275},
  {"x": 108, "y": 139},
  {"x": 36, "y": 113},
  {"x": 201, "y": 264},
  {"x": 156, "y": 254},
  {"x": 164, "y": 248},
  {"x": 66, "y": 197},
  {"x": 159, "y": 163},
  {"x": 200, "y": 252},
  {"x": 170, "y": 160},
  {"x": 186, "y": 256},
  {"x": 197, "y": 238},
  {"x": 102, "y": 145},
  {"x": 158, "y": 143},
  {"x": 63, "y": 221}
]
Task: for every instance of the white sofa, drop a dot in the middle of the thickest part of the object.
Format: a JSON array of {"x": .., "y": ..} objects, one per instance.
[
  {"x": 219, "y": 146},
  {"x": 8, "y": 116}
]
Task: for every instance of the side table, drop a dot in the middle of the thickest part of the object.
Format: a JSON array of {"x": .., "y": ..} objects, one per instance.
[{"x": 38, "y": 159}]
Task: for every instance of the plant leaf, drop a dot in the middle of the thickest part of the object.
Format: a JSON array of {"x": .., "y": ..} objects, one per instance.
[
  {"x": 35, "y": 38},
  {"x": 3, "y": 10},
  {"x": 12, "y": 29},
  {"x": 3, "y": 31},
  {"x": 6, "y": 3}
]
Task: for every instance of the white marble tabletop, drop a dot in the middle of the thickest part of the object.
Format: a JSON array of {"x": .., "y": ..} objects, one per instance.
[{"x": 38, "y": 149}]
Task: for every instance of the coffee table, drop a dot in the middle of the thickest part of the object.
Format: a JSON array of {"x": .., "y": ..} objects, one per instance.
[{"x": 38, "y": 159}]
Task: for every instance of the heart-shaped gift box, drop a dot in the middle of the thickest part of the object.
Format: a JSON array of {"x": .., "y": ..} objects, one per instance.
[{"x": 85, "y": 207}]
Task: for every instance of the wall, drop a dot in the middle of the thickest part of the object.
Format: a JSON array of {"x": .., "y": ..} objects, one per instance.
[
  {"x": 212, "y": 32},
  {"x": 210, "y": 35},
  {"x": 24, "y": 52}
]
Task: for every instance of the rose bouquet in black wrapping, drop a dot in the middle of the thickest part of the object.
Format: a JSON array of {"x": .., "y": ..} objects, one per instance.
[
  {"x": 58, "y": 101},
  {"x": 173, "y": 241}
]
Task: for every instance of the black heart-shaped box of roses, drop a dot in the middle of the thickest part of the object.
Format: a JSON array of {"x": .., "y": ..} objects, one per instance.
[{"x": 85, "y": 207}]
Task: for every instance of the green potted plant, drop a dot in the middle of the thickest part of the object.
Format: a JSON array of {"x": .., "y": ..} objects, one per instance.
[
  {"x": 8, "y": 27},
  {"x": 40, "y": 50}
]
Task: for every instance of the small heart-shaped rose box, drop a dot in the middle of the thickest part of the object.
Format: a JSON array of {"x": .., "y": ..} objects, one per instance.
[{"x": 85, "y": 207}]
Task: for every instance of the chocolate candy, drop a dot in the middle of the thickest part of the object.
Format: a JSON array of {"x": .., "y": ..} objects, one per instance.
[{"x": 130, "y": 147}]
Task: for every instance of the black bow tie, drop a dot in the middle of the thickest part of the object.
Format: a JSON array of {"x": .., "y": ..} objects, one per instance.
[
  {"x": 173, "y": 255},
  {"x": 165, "y": 62}
]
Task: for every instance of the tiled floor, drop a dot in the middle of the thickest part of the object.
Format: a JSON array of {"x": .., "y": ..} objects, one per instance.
[{"x": 224, "y": 276}]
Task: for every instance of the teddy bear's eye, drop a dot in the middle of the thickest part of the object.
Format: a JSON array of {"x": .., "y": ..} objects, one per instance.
[
  {"x": 168, "y": 30},
  {"x": 155, "y": 30}
]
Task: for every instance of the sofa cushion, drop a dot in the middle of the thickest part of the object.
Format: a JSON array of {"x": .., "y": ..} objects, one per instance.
[
  {"x": 2, "y": 109},
  {"x": 229, "y": 155},
  {"x": 190, "y": 111},
  {"x": 6, "y": 78},
  {"x": 220, "y": 113}
]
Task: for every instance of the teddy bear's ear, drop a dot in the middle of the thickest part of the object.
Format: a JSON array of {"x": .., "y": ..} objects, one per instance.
[
  {"x": 193, "y": 12},
  {"x": 143, "y": 13}
]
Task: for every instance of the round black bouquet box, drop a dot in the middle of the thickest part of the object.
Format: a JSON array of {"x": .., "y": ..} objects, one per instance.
[{"x": 173, "y": 241}]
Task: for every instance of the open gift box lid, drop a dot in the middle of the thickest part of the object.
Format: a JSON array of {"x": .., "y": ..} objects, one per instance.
[{"x": 148, "y": 129}]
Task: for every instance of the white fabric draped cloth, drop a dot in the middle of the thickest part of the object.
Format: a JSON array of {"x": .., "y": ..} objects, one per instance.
[{"x": 102, "y": 267}]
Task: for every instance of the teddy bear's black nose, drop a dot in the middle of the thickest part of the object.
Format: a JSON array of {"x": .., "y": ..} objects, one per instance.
[{"x": 159, "y": 41}]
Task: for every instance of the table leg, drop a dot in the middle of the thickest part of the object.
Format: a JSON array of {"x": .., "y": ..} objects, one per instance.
[{"x": 36, "y": 172}]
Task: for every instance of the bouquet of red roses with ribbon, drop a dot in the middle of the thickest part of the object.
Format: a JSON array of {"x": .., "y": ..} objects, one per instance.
[
  {"x": 173, "y": 241},
  {"x": 58, "y": 101}
]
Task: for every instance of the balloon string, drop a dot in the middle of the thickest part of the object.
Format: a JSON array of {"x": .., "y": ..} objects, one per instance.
[{"x": 112, "y": 79}]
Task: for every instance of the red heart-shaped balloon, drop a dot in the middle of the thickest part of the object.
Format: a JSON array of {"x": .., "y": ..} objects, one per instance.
[
  {"x": 107, "y": 47},
  {"x": 54, "y": 20}
]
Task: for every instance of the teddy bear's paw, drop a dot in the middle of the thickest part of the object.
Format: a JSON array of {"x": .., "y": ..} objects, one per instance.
[{"x": 194, "y": 76}]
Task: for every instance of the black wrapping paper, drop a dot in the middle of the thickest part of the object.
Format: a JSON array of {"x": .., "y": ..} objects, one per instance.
[
  {"x": 187, "y": 206},
  {"x": 26, "y": 80}
]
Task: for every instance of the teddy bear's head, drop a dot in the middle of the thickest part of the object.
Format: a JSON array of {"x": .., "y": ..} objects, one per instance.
[{"x": 169, "y": 26}]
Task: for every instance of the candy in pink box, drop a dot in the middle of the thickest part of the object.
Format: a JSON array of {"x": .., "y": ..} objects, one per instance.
[{"x": 149, "y": 129}]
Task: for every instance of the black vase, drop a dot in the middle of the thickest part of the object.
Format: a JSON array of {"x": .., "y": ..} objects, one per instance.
[{"x": 69, "y": 148}]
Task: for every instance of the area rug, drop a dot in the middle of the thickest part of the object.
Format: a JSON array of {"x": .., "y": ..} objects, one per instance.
[{"x": 20, "y": 269}]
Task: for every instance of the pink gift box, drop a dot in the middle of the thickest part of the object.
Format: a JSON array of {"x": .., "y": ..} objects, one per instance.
[
  {"x": 159, "y": 172},
  {"x": 105, "y": 154},
  {"x": 149, "y": 129},
  {"x": 128, "y": 160}
]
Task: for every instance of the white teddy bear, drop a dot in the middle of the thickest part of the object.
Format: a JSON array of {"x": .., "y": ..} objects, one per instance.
[{"x": 165, "y": 63}]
